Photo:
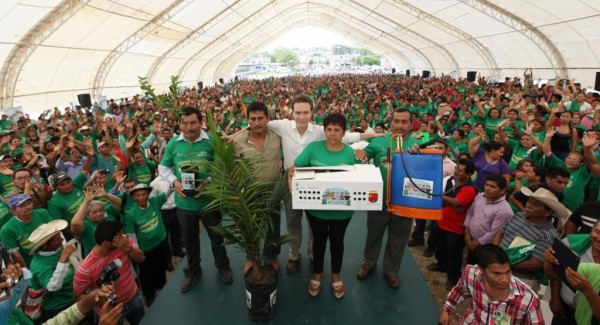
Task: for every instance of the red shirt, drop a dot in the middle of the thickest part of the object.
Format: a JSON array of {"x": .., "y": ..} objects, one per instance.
[
  {"x": 453, "y": 220},
  {"x": 90, "y": 270}
]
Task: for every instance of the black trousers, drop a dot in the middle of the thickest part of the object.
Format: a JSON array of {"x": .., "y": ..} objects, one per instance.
[
  {"x": 449, "y": 253},
  {"x": 418, "y": 233},
  {"x": 334, "y": 230},
  {"x": 173, "y": 231},
  {"x": 191, "y": 227},
  {"x": 153, "y": 271}
]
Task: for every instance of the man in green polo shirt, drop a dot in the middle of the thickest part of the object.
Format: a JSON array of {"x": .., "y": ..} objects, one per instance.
[
  {"x": 15, "y": 233},
  {"x": 187, "y": 156},
  {"x": 398, "y": 228}
]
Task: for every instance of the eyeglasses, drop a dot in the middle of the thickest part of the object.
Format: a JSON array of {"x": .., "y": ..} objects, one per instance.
[{"x": 20, "y": 178}]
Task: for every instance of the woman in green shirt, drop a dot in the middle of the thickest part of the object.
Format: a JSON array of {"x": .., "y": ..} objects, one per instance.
[
  {"x": 328, "y": 224},
  {"x": 87, "y": 218}
]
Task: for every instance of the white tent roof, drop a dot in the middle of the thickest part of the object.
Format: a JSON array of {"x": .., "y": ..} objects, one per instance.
[{"x": 53, "y": 50}]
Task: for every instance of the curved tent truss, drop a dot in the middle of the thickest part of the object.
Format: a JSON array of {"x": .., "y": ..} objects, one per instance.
[{"x": 53, "y": 50}]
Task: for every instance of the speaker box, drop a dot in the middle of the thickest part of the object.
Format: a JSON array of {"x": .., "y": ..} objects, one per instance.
[
  {"x": 221, "y": 80},
  {"x": 408, "y": 73},
  {"x": 200, "y": 85},
  {"x": 471, "y": 75},
  {"x": 84, "y": 100},
  {"x": 425, "y": 74},
  {"x": 597, "y": 84},
  {"x": 393, "y": 70}
]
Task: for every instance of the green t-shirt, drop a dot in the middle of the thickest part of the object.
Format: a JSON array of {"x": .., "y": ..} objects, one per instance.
[
  {"x": 319, "y": 118},
  {"x": 91, "y": 139},
  {"x": 142, "y": 174},
  {"x": 518, "y": 153},
  {"x": 461, "y": 147},
  {"x": 491, "y": 124},
  {"x": 6, "y": 124},
  {"x": 17, "y": 317},
  {"x": 183, "y": 154},
  {"x": 583, "y": 311},
  {"x": 5, "y": 214},
  {"x": 15, "y": 233},
  {"x": 317, "y": 154},
  {"x": 575, "y": 191},
  {"x": 377, "y": 150},
  {"x": 126, "y": 202},
  {"x": 87, "y": 237},
  {"x": 6, "y": 184},
  {"x": 42, "y": 268},
  {"x": 420, "y": 110},
  {"x": 147, "y": 224},
  {"x": 510, "y": 132},
  {"x": 64, "y": 206},
  {"x": 109, "y": 164},
  {"x": 540, "y": 135}
]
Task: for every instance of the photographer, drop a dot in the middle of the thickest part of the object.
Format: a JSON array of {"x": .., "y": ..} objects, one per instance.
[{"x": 110, "y": 261}]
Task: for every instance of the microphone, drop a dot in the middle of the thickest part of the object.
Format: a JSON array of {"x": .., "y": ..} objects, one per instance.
[{"x": 428, "y": 143}]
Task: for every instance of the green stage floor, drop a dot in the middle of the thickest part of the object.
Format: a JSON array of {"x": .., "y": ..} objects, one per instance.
[{"x": 366, "y": 301}]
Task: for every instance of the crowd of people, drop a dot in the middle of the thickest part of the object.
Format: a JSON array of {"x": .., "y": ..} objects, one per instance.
[{"x": 93, "y": 192}]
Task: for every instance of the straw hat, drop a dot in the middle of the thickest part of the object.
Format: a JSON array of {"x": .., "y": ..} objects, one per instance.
[
  {"x": 44, "y": 233},
  {"x": 549, "y": 200}
]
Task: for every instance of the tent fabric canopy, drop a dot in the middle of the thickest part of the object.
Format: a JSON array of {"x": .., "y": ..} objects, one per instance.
[{"x": 53, "y": 50}]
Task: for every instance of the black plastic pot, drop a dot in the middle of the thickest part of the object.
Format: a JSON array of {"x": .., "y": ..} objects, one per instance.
[{"x": 261, "y": 298}]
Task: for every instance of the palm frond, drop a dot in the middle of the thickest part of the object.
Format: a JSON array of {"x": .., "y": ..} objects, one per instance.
[{"x": 246, "y": 203}]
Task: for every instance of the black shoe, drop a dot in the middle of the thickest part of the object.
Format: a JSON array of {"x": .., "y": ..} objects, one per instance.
[
  {"x": 170, "y": 267},
  {"x": 428, "y": 252},
  {"x": 189, "y": 280},
  {"x": 226, "y": 275},
  {"x": 414, "y": 243}
]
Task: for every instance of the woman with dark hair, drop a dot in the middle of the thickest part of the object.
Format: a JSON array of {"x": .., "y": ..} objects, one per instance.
[
  {"x": 565, "y": 137},
  {"x": 487, "y": 160},
  {"x": 491, "y": 120},
  {"x": 327, "y": 224}
]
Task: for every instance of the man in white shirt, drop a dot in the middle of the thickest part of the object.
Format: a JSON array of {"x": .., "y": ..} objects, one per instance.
[{"x": 295, "y": 135}]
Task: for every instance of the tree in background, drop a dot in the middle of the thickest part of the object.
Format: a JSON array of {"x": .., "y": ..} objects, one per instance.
[{"x": 286, "y": 57}]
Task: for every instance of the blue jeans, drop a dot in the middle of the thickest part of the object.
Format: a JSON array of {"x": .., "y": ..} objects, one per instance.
[{"x": 133, "y": 311}]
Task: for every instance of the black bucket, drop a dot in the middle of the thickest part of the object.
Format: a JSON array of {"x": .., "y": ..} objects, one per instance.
[{"x": 260, "y": 299}]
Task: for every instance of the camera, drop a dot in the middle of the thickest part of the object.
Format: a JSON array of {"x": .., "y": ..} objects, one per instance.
[
  {"x": 12, "y": 281},
  {"x": 110, "y": 274}
]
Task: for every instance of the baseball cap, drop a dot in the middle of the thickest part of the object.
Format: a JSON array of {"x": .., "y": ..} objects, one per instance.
[
  {"x": 55, "y": 179},
  {"x": 17, "y": 200}
]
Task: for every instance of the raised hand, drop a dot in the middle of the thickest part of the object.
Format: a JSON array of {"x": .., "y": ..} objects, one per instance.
[
  {"x": 550, "y": 131},
  {"x": 589, "y": 139}
]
